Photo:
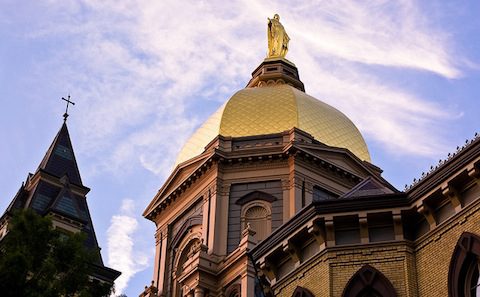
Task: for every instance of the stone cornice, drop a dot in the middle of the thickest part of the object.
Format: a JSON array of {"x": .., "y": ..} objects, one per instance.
[{"x": 446, "y": 168}]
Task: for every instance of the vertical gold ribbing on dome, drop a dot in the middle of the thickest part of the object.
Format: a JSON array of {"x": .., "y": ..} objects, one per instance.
[
  {"x": 257, "y": 111},
  {"x": 328, "y": 125},
  {"x": 274, "y": 109},
  {"x": 195, "y": 145}
]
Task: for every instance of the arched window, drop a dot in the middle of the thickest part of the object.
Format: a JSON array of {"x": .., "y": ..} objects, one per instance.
[
  {"x": 258, "y": 215},
  {"x": 463, "y": 274},
  {"x": 233, "y": 291},
  {"x": 369, "y": 282},
  {"x": 188, "y": 251},
  {"x": 184, "y": 249},
  {"x": 302, "y": 292}
]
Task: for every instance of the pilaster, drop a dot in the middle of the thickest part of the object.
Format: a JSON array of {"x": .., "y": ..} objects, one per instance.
[
  {"x": 161, "y": 238},
  {"x": 218, "y": 222}
]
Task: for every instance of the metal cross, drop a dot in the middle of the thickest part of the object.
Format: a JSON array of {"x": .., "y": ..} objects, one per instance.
[{"x": 65, "y": 115}]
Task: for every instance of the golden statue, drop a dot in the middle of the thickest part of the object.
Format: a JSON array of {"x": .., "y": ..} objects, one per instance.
[{"x": 277, "y": 38}]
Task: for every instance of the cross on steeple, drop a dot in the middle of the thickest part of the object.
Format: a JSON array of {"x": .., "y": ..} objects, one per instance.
[{"x": 65, "y": 115}]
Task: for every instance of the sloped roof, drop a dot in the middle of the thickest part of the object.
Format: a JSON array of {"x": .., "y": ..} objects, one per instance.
[
  {"x": 369, "y": 187},
  {"x": 60, "y": 158}
]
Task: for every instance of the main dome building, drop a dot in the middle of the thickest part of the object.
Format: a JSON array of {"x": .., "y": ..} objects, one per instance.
[
  {"x": 275, "y": 195},
  {"x": 274, "y": 101}
]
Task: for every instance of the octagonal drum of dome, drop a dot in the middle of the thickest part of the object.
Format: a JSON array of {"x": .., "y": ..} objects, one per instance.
[{"x": 274, "y": 109}]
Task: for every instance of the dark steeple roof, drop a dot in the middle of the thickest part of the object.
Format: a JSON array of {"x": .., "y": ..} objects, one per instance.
[
  {"x": 60, "y": 159},
  {"x": 56, "y": 188}
]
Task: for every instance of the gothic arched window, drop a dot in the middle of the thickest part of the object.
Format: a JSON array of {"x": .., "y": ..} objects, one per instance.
[
  {"x": 369, "y": 282},
  {"x": 463, "y": 274},
  {"x": 302, "y": 292},
  {"x": 258, "y": 215}
]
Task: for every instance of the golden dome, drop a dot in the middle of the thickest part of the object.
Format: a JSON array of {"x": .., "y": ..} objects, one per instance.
[{"x": 274, "y": 109}]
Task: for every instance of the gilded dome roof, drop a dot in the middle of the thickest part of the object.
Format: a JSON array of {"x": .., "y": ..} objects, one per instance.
[{"x": 273, "y": 109}]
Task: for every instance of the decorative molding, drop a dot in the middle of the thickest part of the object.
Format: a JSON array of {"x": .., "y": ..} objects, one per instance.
[
  {"x": 189, "y": 223},
  {"x": 444, "y": 162},
  {"x": 256, "y": 195}
]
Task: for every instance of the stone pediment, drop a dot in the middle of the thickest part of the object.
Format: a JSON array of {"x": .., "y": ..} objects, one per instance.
[
  {"x": 256, "y": 195},
  {"x": 369, "y": 187},
  {"x": 181, "y": 174},
  {"x": 341, "y": 158}
]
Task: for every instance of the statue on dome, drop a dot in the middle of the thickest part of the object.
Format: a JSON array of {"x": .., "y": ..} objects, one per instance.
[{"x": 277, "y": 38}]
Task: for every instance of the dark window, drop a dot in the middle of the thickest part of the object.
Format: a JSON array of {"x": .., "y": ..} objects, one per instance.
[
  {"x": 463, "y": 274},
  {"x": 322, "y": 194},
  {"x": 380, "y": 227},
  {"x": 347, "y": 230},
  {"x": 369, "y": 282},
  {"x": 302, "y": 292}
]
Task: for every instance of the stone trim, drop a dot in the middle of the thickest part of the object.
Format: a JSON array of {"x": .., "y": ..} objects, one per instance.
[{"x": 256, "y": 195}]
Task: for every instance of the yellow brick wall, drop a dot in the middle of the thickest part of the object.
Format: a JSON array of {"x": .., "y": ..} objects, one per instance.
[
  {"x": 434, "y": 253},
  {"x": 328, "y": 275},
  {"x": 420, "y": 271},
  {"x": 314, "y": 277},
  {"x": 390, "y": 260}
]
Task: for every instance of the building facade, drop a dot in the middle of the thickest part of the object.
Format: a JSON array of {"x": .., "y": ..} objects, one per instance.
[
  {"x": 275, "y": 195},
  {"x": 368, "y": 242}
]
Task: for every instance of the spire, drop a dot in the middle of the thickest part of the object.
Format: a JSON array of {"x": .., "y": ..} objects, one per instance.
[
  {"x": 65, "y": 115},
  {"x": 60, "y": 158}
]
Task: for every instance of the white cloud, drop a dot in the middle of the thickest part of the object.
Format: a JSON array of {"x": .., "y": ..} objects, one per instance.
[
  {"x": 142, "y": 68},
  {"x": 141, "y": 73},
  {"x": 378, "y": 32},
  {"x": 122, "y": 254}
]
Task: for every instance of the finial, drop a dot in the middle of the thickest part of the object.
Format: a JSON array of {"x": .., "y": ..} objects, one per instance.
[
  {"x": 65, "y": 115},
  {"x": 277, "y": 38}
]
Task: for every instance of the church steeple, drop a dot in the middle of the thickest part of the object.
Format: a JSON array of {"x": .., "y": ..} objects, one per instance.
[
  {"x": 59, "y": 159},
  {"x": 56, "y": 189}
]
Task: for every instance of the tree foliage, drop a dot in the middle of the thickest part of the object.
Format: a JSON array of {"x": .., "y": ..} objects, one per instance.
[{"x": 38, "y": 260}]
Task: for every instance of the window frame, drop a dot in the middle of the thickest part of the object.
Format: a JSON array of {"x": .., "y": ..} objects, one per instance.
[{"x": 257, "y": 203}]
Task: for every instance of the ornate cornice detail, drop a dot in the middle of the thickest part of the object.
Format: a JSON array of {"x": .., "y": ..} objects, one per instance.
[{"x": 443, "y": 162}]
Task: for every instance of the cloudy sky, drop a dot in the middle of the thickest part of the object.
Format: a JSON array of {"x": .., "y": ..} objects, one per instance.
[{"x": 145, "y": 74}]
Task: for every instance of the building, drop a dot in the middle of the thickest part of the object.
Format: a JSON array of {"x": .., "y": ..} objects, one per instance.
[
  {"x": 275, "y": 194},
  {"x": 56, "y": 189}
]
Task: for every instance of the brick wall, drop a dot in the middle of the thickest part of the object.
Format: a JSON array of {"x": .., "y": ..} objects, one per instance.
[
  {"x": 414, "y": 270},
  {"x": 434, "y": 252},
  {"x": 328, "y": 275}
]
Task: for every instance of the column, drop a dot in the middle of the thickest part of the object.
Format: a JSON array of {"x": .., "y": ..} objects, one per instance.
[
  {"x": 286, "y": 199},
  {"x": 219, "y": 218},
  {"x": 199, "y": 292},
  {"x": 206, "y": 213},
  {"x": 397, "y": 224},
  {"x": 160, "y": 266},
  {"x": 362, "y": 220},
  {"x": 247, "y": 285}
]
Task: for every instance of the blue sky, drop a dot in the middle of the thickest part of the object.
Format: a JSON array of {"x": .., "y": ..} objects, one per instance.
[{"x": 145, "y": 74}]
